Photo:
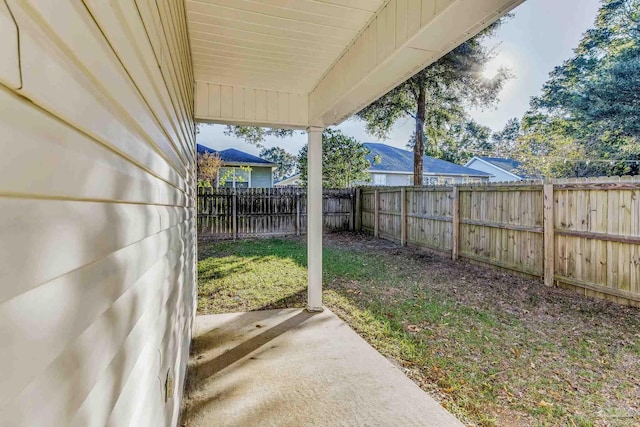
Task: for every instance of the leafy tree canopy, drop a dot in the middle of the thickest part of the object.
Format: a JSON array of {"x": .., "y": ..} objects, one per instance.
[
  {"x": 256, "y": 135},
  {"x": 208, "y": 165},
  {"x": 287, "y": 163},
  {"x": 343, "y": 161},
  {"x": 461, "y": 141},
  {"x": 436, "y": 99},
  {"x": 504, "y": 142},
  {"x": 591, "y": 102}
]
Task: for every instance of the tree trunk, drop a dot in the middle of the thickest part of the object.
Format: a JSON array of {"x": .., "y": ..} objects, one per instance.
[{"x": 418, "y": 148}]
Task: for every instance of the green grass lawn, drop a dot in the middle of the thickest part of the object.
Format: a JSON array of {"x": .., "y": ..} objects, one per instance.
[{"x": 494, "y": 349}]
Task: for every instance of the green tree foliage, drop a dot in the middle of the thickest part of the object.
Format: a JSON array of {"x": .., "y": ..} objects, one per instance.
[
  {"x": 590, "y": 105},
  {"x": 256, "y": 135},
  {"x": 343, "y": 161},
  {"x": 436, "y": 98},
  {"x": 287, "y": 163},
  {"x": 504, "y": 142},
  {"x": 208, "y": 165},
  {"x": 460, "y": 143},
  {"x": 553, "y": 156}
]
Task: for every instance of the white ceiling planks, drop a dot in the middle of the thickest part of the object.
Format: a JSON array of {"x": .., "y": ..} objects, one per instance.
[{"x": 281, "y": 45}]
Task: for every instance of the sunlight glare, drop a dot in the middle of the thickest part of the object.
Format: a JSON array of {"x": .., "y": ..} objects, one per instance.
[{"x": 493, "y": 66}]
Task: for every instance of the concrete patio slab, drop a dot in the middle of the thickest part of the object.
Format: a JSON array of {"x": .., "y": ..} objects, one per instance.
[{"x": 294, "y": 368}]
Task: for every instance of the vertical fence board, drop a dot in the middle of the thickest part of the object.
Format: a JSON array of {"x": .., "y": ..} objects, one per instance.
[
  {"x": 376, "y": 213},
  {"x": 579, "y": 233},
  {"x": 403, "y": 216},
  {"x": 549, "y": 239},
  {"x": 455, "y": 223},
  {"x": 225, "y": 213}
]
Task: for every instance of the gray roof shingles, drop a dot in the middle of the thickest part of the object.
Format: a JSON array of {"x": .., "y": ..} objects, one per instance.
[
  {"x": 398, "y": 160},
  {"x": 509, "y": 165},
  {"x": 231, "y": 155}
]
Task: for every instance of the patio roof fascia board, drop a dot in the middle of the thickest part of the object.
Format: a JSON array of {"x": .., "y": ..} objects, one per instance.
[
  {"x": 238, "y": 122},
  {"x": 242, "y": 105},
  {"x": 401, "y": 40}
]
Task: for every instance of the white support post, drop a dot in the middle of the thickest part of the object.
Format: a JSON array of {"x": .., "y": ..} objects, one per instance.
[{"x": 314, "y": 219}]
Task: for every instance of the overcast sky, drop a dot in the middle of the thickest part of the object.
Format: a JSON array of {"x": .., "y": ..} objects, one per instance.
[{"x": 539, "y": 37}]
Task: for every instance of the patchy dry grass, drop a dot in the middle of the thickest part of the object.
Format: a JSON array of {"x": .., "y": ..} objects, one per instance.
[{"x": 494, "y": 349}]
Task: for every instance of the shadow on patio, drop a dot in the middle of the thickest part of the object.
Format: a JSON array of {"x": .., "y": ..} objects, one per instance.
[{"x": 292, "y": 367}]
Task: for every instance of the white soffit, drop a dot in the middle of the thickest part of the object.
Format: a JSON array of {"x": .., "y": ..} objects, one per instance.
[
  {"x": 280, "y": 45},
  {"x": 299, "y": 63}
]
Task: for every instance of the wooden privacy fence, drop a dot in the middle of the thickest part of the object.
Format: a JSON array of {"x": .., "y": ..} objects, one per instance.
[
  {"x": 225, "y": 213},
  {"x": 582, "y": 234}
]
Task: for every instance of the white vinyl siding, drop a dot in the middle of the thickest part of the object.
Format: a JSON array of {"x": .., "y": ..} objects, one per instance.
[
  {"x": 97, "y": 261},
  {"x": 450, "y": 180},
  {"x": 498, "y": 174},
  {"x": 379, "y": 179},
  {"x": 261, "y": 177},
  {"x": 402, "y": 179}
]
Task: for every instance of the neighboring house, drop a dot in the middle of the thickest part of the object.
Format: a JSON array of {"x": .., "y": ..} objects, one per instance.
[
  {"x": 393, "y": 166},
  {"x": 292, "y": 181},
  {"x": 501, "y": 169},
  {"x": 241, "y": 170}
]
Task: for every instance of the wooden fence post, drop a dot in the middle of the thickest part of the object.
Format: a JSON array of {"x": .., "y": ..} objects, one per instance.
[
  {"x": 403, "y": 216},
  {"x": 376, "y": 213},
  {"x": 358, "y": 210},
  {"x": 352, "y": 199},
  {"x": 455, "y": 222},
  {"x": 298, "y": 215},
  {"x": 234, "y": 213},
  {"x": 549, "y": 240}
]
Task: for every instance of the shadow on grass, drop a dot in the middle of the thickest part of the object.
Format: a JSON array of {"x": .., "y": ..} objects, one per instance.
[
  {"x": 475, "y": 337},
  {"x": 295, "y": 300}
]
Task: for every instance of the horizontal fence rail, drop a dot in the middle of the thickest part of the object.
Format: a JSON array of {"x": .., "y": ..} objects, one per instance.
[
  {"x": 582, "y": 234},
  {"x": 225, "y": 213}
]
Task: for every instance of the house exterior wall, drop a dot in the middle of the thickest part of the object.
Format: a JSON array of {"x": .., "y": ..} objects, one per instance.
[
  {"x": 292, "y": 181},
  {"x": 261, "y": 177},
  {"x": 97, "y": 216},
  {"x": 498, "y": 174},
  {"x": 254, "y": 177},
  {"x": 399, "y": 179}
]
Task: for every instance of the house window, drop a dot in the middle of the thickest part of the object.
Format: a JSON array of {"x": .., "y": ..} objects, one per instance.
[
  {"x": 234, "y": 177},
  {"x": 449, "y": 181},
  {"x": 379, "y": 179},
  {"x": 429, "y": 180}
]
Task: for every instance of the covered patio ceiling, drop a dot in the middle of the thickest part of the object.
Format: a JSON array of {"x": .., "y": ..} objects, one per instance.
[
  {"x": 276, "y": 45},
  {"x": 301, "y": 63}
]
